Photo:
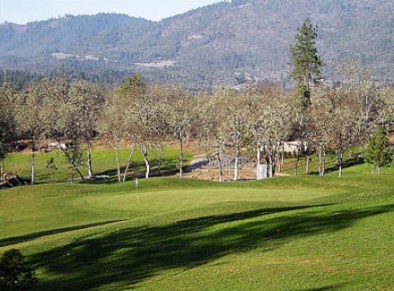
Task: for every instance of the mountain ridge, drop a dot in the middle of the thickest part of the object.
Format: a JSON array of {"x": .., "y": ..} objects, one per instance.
[{"x": 208, "y": 46}]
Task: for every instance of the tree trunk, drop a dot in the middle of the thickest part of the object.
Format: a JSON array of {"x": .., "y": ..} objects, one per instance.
[
  {"x": 128, "y": 163},
  {"x": 297, "y": 162},
  {"x": 278, "y": 156},
  {"x": 71, "y": 162},
  {"x": 277, "y": 159},
  {"x": 180, "y": 157},
  {"x": 320, "y": 162},
  {"x": 236, "y": 164},
  {"x": 220, "y": 166},
  {"x": 307, "y": 163},
  {"x": 117, "y": 161},
  {"x": 271, "y": 166},
  {"x": 33, "y": 161},
  {"x": 2, "y": 170},
  {"x": 340, "y": 160},
  {"x": 144, "y": 151},
  {"x": 89, "y": 152},
  {"x": 258, "y": 158}
]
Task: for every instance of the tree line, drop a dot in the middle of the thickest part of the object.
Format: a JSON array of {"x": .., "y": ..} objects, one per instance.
[{"x": 226, "y": 122}]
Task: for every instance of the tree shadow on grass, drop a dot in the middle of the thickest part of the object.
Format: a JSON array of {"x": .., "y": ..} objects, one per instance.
[
  {"x": 324, "y": 288},
  {"x": 31, "y": 236},
  {"x": 137, "y": 171},
  {"x": 132, "y": 255},
  {"x": 345, "y": 164}
]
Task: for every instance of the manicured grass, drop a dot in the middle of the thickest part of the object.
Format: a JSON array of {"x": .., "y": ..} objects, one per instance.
[{"x": 286, "y": 233}]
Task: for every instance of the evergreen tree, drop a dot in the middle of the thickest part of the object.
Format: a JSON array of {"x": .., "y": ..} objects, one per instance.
[
  {"x": 305, "y": 61},
  {"x": 133, "y": 85},
  {"x": 14, "y": 272},
  {"x": 378, "y": 152}
]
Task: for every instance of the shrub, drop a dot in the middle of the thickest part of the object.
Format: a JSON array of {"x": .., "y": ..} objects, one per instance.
[{"x": 14, "y": 273}]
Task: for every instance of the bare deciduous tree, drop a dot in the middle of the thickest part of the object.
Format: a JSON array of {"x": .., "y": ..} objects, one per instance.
[
  {"x": 31, "y": 118},
  {"x": 8, "y": 99},
  {"x": 144, "y": 102},
  {"x": 180, "y": 115}
]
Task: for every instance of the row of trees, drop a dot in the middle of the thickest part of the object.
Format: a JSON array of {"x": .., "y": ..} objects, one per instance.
[
  {"x": 53, "y": 109},
  {"x": 227, "y": 122}
]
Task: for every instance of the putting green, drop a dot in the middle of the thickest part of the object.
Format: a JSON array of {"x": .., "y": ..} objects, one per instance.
[
  {"x": 34, "y": 211},
  {"x": 175, "y": 200}
]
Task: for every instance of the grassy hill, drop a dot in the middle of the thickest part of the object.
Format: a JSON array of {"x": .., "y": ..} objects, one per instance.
[{"x": 286, "y": 233}]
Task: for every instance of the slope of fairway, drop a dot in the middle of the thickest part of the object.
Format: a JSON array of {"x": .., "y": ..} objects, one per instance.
[
  {"x": 38, "y": 209},
  {"x": 298, "y": 233}
]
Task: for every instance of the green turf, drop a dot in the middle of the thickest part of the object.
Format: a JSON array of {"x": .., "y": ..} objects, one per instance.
[
  {"x": 103, "y": 163},
  {"x": 288, "y": 233}
]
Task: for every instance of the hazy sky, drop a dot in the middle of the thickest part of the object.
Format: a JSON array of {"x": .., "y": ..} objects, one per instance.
[{"x": 22, "y": 11}]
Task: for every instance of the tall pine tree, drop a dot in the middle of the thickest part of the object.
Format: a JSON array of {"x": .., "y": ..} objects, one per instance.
[{"x": 305, "y": 62}]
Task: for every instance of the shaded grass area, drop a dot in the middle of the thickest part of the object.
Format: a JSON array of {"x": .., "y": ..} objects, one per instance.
[
  {"x": 346, "y": 164},
  {"x": 34, "y": 235},
  {"x": 132, "y": 255},
  {"x": 331, "y": 165}
]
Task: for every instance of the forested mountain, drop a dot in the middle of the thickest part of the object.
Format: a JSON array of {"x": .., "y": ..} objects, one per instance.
[{"x": 224, "y": 43}]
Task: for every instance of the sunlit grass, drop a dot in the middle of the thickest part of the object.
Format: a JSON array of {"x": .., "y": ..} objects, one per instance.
[{"x": 103, "y": 163}]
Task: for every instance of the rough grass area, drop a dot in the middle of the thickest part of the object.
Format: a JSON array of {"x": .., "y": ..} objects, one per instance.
[{"x": 286, "y": 233}]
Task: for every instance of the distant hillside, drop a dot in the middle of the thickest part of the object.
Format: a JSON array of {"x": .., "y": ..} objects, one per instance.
[{"x": 224, "y": 43}]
